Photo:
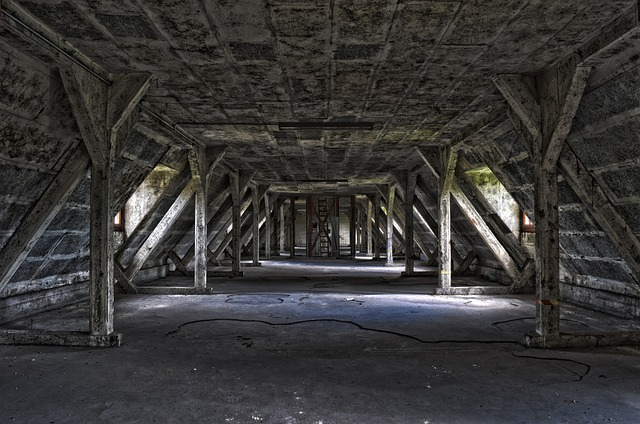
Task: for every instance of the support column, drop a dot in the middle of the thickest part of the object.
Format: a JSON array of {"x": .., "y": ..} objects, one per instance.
[
  {"x": 255, "y": 201},
  {"x": 409, "y": 254},
  {"x": 292, "y": 229},
  {"x": 391, "y": 195},
  {"x": 309, "y": 226},
  {"x": 352, "y": 227},
  {"x": 362, "y": 232},
  {"x": 547, "y": 112},
  {"x": 100, "y": 112},
  {"x": 236, "y": 223},
  {"x": 448, "y": 160},
  {"x": 547, "y": 252},
  {"x": 267, "y": 227},
  {"x": 281, "y": 228},
  {"x": 198, "y": 163},
  {"x": 335, "y": 230},
  {"x": 369, "y": 227},
  {"x": 101, "y": 245},
  {"x": 376, "y": 223}
]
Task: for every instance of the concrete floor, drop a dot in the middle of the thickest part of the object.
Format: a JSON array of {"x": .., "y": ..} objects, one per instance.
[{"x": 350, "y": 342}]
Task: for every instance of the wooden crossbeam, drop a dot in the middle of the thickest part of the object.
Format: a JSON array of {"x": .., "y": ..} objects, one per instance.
[
  {"x": 125, "y": 94},
  {"x": 180, "y": 266},
  {"x": 521, "y": 94},
  {"x": 121, "y": 277},
  {"x": 485, "y": 233},
  {"x": 162, "y": 229},
  {"x": 466, "y": 263},
  {"x": 562, "y": 125},
  {"x": 93, "y": 132}
]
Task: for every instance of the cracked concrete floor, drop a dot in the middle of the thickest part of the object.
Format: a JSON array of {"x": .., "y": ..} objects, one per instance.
[{"x": 343, "y": 344}]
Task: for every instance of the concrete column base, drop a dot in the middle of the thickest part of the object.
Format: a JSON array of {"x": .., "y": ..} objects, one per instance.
[
  {"x": 58, "y": 338},
  {"x": 473, "y": 290},
  {"x": 582, "y": 340}
]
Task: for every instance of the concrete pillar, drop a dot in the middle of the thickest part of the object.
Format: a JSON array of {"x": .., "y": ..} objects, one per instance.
[{"x": 391, "y": 195}]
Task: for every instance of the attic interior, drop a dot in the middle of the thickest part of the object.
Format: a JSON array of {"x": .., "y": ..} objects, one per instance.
[{"x": 168, "y": 155}]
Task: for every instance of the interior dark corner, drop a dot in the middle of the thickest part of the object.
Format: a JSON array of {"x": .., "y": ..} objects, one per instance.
[{"x": 319, "y": 211}]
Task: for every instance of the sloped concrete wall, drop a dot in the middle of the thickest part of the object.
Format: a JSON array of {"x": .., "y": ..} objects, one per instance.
[
  {"x": 37, "y": 134},
  {"x": 606, "y": 137}
]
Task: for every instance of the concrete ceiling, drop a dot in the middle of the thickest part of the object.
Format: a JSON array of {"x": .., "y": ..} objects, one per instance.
[{"x": 231, "y": 71}]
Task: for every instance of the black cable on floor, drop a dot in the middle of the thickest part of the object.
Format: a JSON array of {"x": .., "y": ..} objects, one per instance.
[
  {"x": 361, "y": 327},
  {"x": 580, "y": 376}
]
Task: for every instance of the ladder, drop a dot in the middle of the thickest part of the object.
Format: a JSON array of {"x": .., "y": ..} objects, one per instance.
[{"x": 323, "y": 228}]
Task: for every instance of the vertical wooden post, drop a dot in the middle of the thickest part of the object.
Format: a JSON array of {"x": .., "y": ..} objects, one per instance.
[
  {"x": 362, "y": 233},
  {"x": 547, "y": 252},
  {"x": 281, "y": 227},
  {"x": 391, "y": 195},
  {"x": 448, "y": 159},
  {"x": 547, "y": 110},
  {"x": 292, "y": 229},
  {"x": 376, "y": 223},
  {"x": 101, "y": 244},
  {"x": 255, "y": 200},
  {"x": 234, "y": 178},
  {"x": 309, "y": 226},
  {"x": 369, "y": 227},
  {"x": 335, "y": 220},
  {"x": 100, "y": 112},
  {"x": 352, "y": 227},
  {"x": 410, "y": 189},
  {"x": 198, "y": 162},
  {"x": 267, "y": 227}
]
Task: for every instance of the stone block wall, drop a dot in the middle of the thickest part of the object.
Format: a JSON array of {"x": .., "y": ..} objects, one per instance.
[
  {"x": 605, "y": 137},
  {"x": 37, "y": 135}
]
